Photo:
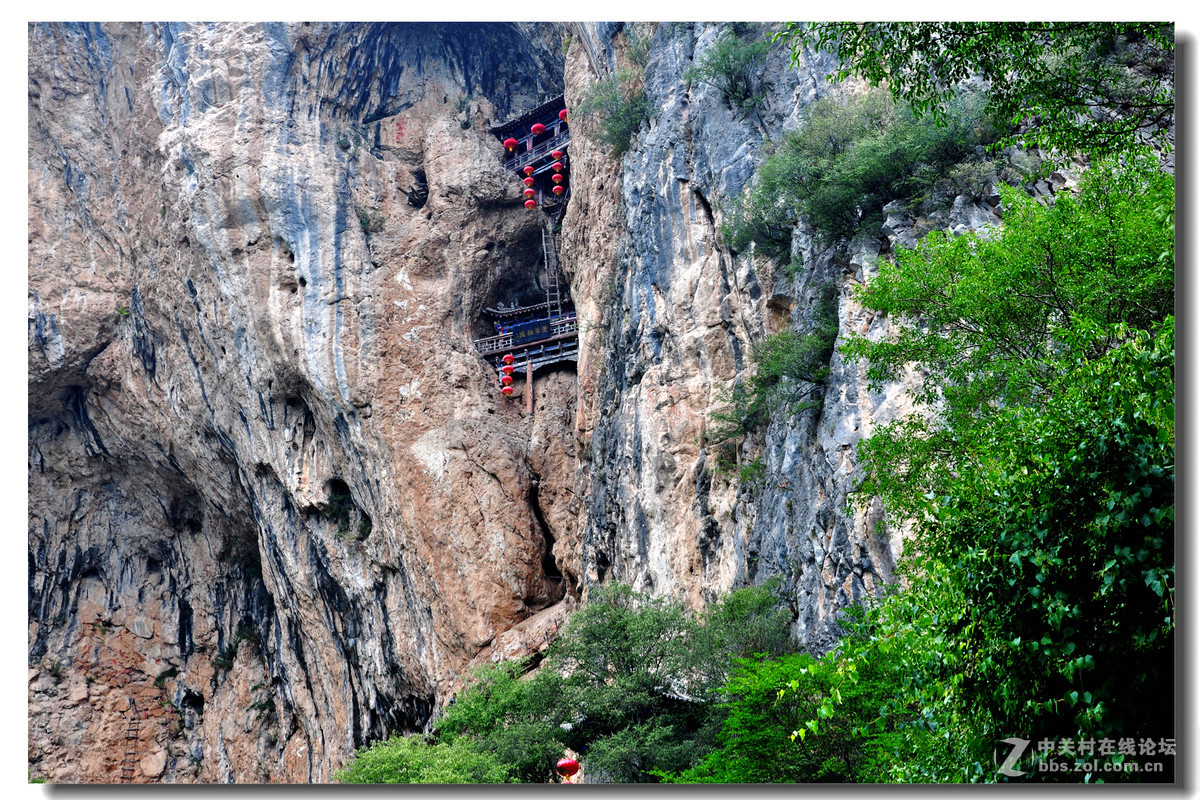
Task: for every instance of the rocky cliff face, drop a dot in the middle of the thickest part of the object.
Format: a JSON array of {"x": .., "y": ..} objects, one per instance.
[
  {"x": 277, "y": 506},
  {"x": 679, "y": 328}
]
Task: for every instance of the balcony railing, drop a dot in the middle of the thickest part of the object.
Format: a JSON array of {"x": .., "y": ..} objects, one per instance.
[
  {"x": 560, "y": 329},
  {"x": 521, "y": 159}
]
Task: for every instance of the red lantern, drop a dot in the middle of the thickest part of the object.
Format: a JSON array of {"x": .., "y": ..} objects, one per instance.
[
  {"x": 508, "y": 358},
  {"x": 537, "y": 129},
  {"x": 529, "y": 193},
  {"x": 558, "y": 189},
  {"x": 556, "y": 177},
  {"x": 507, "y": 369},
  {"x": 568, "y": 766},
  {"x": 506, "y": 390},
  {"x": 529, "y": 170},
  {"x": 563, "y": 115},
  {"x": 528, "y": 181},
  {"x": 556, "y": 155},
  {"x": 531, "y": 204},
  {"x": 506, "y": 380},
  {"x": 556, "y": 166},
  {"x": 510, "y": 143}
]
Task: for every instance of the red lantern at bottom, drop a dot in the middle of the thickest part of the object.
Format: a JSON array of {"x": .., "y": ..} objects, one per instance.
[
  {"x": 531, "y": 204},
  {"x": 558, "y": 188},
  {"x": 506, "y": 391},
  {"x": 568, "y": 766}
]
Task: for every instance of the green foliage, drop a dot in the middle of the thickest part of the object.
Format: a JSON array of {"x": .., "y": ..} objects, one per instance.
[
  {"x": 372, "y": 222},
  {"x": 1094, "y": 87},
  {"x": 1041, "y": 485},
  {"x": 165, "y": 675},
  {"x": 846, "y": 162},
  {"x": 735, "y": 67},
  {"x": 987, "y": 316},
  {"x": 411, "y": 759},
  {"x": 615, "y": 107},
  {"x": 226, "y": 655},
  {"x": 791, "y": 369},
  {"x": 753, "y": 474},
  {"x": 512, "y": 719},
  {"x": 364, "y": 527},
  {"x": 630, "y": 683},
  {"x": 1061, "y": 536},
  {"x": 337, "y": 507}
]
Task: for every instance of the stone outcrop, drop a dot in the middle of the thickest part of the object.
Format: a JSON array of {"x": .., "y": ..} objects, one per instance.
[{"x": 277, "y": 506}]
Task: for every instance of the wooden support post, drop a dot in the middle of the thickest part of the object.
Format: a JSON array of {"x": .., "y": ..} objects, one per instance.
[{"x": 528, "y": 385}]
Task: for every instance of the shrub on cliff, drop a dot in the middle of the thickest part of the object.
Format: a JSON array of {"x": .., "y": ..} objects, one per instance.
[
  {"x": 845, "y": 162},
  {"x": 1095, "y": 87},
  {"x": 791, "y": 368},
  {"x": 617, "y": 107},
  {"x": 734, "y": 66}
]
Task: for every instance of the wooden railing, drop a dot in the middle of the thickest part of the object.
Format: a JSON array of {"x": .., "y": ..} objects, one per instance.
[
  {"x": 521, "y": 159},
  {"x": 561, "y": 328}
]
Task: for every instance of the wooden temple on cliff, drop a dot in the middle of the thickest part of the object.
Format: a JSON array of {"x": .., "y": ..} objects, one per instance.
[{"x": 531, "y": 336}]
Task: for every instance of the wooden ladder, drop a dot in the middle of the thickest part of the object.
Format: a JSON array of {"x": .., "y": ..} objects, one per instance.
[
  {"x": 133, "y": 726},
  {"x": 553, "y": 289}
]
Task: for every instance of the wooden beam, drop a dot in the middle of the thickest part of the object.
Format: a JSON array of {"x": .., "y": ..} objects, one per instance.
[{"x": 528, "y": 385}]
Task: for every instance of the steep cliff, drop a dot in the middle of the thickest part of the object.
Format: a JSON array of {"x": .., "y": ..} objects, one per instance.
[
  {"x": 679, "y": 328},
  {"x": 277, "y": 506}
]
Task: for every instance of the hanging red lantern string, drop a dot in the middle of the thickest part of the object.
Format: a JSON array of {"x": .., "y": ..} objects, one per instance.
[
  {"x": 538, "y": 129},
  {"x": 558, "y": 188}
]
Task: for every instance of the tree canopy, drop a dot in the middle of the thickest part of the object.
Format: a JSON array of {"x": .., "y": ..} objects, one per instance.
[{"x": 1096, "y": 87}]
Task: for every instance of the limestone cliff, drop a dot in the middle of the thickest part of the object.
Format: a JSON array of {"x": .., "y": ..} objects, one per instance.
[{"x": 277, "y": 506}]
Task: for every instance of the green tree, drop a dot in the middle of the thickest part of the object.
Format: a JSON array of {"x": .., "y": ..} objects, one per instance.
[
  {"x": 985, "y": 316},
  {"x": 516, "y": 720},
  {"x": 1096, "y": 87},
  {"x": 1041, "y": 480}
]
